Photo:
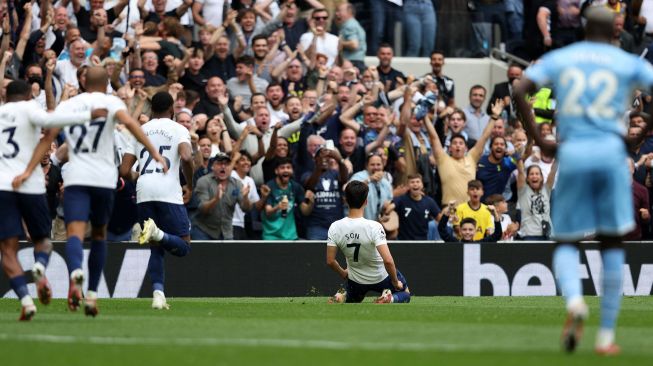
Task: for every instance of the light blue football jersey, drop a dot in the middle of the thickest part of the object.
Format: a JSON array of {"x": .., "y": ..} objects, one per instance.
[{"x": 592, "y": 83}]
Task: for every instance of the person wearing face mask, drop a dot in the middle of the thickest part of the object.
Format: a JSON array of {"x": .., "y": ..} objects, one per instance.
[{"x": 503, "y": 91}]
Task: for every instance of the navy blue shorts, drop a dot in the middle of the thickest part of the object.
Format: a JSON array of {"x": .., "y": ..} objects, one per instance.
[
  {"x": 81, "y": 203},
  {"x": 33, "y": 208},
  {"x": 356, "y": 292},
  {"x": 169, "y": 217}
]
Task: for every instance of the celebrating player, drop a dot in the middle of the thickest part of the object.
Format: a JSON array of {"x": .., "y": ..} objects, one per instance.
[
  {"x": 21, "y": 149},
  {"x": 592, "y": 80},
  {"x": 159, "y": 197},
  {"x": 90, "y": 179},
  {"x": 370, "y": 266}
]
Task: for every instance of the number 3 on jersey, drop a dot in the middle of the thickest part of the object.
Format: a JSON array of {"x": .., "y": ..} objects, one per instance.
[
  {"x": 81, "y": 146},
  {"x": 10, "y": 141},
  {"x": 144, "y": 152}
]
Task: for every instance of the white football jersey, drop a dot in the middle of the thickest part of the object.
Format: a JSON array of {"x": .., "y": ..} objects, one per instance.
[
  {"x": 152, "y": 185},
  {"x": 20, "y": 132},
  {"x": 358, "y": 239},
  {"x": 91, "y": 161}
]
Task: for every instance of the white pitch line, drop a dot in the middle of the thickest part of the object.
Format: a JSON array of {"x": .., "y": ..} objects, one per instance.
[{"x": 267, "y": 342}]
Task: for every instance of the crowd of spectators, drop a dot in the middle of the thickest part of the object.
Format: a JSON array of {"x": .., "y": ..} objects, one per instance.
[{"x": 283, "y": 112}]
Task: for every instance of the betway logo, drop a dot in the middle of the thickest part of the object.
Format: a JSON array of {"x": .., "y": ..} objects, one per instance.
[
  {"x": 129, "y": 282},
  {"x": 474, "y": 272}
]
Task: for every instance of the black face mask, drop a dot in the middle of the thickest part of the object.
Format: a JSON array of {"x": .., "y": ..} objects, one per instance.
[{"x": 35, "y": 79}]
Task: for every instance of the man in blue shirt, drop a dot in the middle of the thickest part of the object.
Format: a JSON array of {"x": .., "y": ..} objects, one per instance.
[
  {"x": 592, "y": 80},
  {"x": 415, "y": 210},
  {"x": 495, "y": 168}
]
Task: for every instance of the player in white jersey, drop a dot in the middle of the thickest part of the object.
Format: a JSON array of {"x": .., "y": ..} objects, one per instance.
[
  {"x": 22, "y": 147},
  {"x": 370, "y": 266},
  {"x": 90, "y": 179},
  {"x": 161, "y": 207}
]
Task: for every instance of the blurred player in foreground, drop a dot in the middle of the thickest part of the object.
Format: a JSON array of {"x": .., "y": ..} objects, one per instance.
[
  {"x": 21, "y": 149},
  {"x": 370, "y": 266},
  {"x": 592, "y": 80}
]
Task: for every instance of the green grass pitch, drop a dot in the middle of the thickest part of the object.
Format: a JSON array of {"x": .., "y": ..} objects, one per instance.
[{"x": 307, "y": 331}]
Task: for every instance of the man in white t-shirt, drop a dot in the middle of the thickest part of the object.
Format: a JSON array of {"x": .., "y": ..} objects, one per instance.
[
  {"x": 370, "y": 266},
  {"x": 66, "y": 70},
  {"x": 318, "y": 40},
  {"x": 159, "y": 196},
  {"x": 90, "y": 178},
  {"x": 208, "y": 12},
  {"x": 23, "y": 199},
  {"x": 240, "y": 171}
]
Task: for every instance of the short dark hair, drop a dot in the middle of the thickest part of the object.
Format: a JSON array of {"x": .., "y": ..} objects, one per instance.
[
  {"x": 18, "y": 88},
  {"x": 437, "y": 52},
  {"x": 259, "y": 36},
  {"x": 467, "y": 220},
  {"x": 494, "y": 138},
  {"x": 493, "y": 199},
  {"x": 246, "y": 60},
  {"x": 475, "y": 184},
  {"x": 477, "y": 86},
  {"x": 161, "y": 102},
  {"x": 458, "y": 136},
  {"x": 245, "y": 154},
  {"x": 283, "y": 161},
  {"x": 136, "y": 69},
  {"x": 356, "y": 193},
  {"x": 385, "y": 45}
]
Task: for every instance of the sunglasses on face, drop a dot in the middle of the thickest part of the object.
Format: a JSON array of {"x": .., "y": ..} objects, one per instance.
[{"x": 320, "y": 18}]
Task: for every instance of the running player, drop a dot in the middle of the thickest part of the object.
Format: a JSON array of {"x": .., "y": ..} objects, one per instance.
[
  {"x": 22, "y": 147},
  {"x": 592, "y": 80},
  {"x": 90, "y": 179},
  {"x": 370, "y": 266},
  {"x": 161, "y": 207}
]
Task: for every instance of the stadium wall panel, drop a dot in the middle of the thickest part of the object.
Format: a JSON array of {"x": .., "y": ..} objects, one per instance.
[{"x": 292, "y": 269}]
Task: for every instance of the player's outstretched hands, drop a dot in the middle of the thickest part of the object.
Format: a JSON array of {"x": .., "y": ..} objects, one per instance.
[
  {"x": 99, "y": 113},
  {"x": 19, "y": 180}
]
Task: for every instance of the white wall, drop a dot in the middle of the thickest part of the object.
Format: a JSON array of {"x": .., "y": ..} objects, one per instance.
[{"x": 465, "y": 72}]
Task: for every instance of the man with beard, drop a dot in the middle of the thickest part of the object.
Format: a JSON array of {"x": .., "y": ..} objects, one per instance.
[
  {"x": 326, "y": 181},
  {"x": 274, "y": 95},
  {"x": 246, "y": 82},
  {"x": 284, "y": 196},
  {"x": 260, "y": 48},
  {"x": 444, "y": 83},
  {"x": 494, "y": 169},
  {"x": 459, "y": 168},
  {"x": 218, "y": 193},
  {"x": 222, "y": 63},
  {"x": 415, "y": 210}
]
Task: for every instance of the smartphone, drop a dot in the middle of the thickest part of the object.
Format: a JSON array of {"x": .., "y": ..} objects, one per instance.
[{"x": 330, "y": 145}]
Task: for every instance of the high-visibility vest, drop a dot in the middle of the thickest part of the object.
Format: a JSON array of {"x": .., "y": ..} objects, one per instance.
[{"x": 543, "y": 101}]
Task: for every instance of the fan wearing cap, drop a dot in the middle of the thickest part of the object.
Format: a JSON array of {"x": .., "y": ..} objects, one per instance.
[
  {"x": 326, "y": 181},
  {"x": 218, "y": 194}
]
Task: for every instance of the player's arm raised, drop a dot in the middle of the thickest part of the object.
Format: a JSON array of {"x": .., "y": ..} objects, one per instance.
[
  {"x": 138, "y": 133},
  {"x": 523, "y": 88},
  {"x": 389, "y": 265}
]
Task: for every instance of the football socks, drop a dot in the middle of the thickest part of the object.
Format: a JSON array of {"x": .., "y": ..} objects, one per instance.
[
  {"x": 565, "y": 264},
  {"x": 613, "y": 264},
  {"x": 74, "y": 253},
  {"x": 19, "y": 285},
  {"x": 96, "y": 259},
  {"x": 155, "y": 267}
]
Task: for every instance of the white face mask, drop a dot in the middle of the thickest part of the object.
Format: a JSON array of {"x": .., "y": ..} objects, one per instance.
[{"x": 368, "y": 85}]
